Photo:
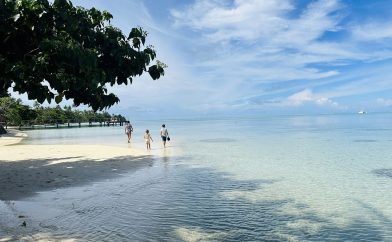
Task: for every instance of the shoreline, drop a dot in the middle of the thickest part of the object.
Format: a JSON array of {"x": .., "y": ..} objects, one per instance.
[
  {"x": 28, "y": 169},
  {"x": 12, "y": 137}
]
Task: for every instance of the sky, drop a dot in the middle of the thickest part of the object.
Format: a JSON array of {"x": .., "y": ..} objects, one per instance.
[{"x": 237, "y": 57}]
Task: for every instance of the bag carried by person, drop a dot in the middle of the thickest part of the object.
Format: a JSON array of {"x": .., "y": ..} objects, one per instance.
[{"x": 168, "y": 138}]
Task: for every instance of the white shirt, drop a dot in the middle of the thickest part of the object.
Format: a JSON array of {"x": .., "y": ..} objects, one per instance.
[{"x": 164, "y": 132}]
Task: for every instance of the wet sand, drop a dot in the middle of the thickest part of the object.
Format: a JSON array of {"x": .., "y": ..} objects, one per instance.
[
  {"x": 12, "y": 137},
  {"x": 29, "y": 169}
]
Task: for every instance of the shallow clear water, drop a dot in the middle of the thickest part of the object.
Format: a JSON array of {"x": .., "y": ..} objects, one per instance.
[{"x": 305, "y": 178}]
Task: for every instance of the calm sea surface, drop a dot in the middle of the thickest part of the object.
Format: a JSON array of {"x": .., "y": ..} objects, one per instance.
[{"x": 286, "y": 178}]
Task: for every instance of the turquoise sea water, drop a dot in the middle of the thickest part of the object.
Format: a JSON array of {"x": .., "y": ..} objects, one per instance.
[{"x": 282, "y": 178}]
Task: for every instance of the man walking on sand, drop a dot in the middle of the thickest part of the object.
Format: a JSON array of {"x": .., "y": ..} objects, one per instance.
[{"x": 164, "y": 135}]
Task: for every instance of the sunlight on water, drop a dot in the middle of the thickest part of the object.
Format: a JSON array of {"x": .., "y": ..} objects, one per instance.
[
  {"x": 300, "y": 178},
  {"x": 196, "y": 234}
]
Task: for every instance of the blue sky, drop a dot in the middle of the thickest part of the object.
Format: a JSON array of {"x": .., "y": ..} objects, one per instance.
[{"x": 259, "y": 56}]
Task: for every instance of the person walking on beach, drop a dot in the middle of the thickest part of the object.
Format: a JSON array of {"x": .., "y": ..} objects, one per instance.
[
  {"x": 147, "y": 138},
  {"x": 164, "y": 135},
  {"x": 128, "y": 130}
]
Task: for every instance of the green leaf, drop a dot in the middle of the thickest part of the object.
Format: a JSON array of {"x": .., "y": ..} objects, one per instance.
[
  {"x": 72, "y": 50},
  {"x": 135, "y": 33},
  {"x": 107, "y": 16},
  {"x": 136, "y": 42},
  {"x": 154, "y": 72},
  {"x": 58, "y": 98},
  {"x": 41, "y": 99}
]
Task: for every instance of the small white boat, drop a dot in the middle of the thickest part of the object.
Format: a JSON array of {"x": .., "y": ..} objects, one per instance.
[{"x": 362, "y": 112}]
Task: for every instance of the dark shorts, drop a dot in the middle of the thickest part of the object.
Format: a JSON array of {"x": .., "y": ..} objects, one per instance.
[{"x": 163, "y": 138}]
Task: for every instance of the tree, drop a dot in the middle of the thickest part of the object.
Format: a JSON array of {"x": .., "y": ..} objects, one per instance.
[
  {"x": 14, "y": 112},
  {"x": 56, "y": 50},
  {"x": 4, "y": 105}
]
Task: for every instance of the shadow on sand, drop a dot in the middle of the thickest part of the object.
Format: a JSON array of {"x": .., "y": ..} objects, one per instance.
[{"x": 24, "y": 178}]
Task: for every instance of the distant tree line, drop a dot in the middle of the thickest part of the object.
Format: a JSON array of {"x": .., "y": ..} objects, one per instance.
[{"x": 14, "y": 113}]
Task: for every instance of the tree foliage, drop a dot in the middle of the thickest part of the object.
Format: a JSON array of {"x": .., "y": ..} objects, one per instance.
[
  {"x": 56, "y": 50},
  {"x": 13, "y": 109},
  {"x": 14, "y": 112}
]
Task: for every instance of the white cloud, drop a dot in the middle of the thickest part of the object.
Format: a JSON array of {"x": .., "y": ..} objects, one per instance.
[
  {"x": 265, "y": 31},
  {"x": 369, "y": 79},
  {"x": 374, "y": 31},
  {"x": 307, "y": 96},
  {"x": 301, "y": 97},
  {"x": 310, "y": 26},
  {"x": 242, "y": 20},
  {"x": 245, "y": 43},
  {"x": 267, "y": 22},
  {"x": 259, "y": 39},
  {"x": 384, "y": 102}
]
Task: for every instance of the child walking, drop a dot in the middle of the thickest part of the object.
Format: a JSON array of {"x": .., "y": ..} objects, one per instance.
[{"x": 147, "y": 138}]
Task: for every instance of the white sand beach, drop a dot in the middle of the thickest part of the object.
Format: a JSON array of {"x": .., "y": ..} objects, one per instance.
[
  {"x": 28, "y": 169},
  {"x": 12, "y": 137}
]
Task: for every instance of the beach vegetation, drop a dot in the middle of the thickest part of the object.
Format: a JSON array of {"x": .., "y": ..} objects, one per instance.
[
  {"x": 15, "y": 113},
  {"x": 53, "y": 50},
  {"x": 14, "y": 110}
]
